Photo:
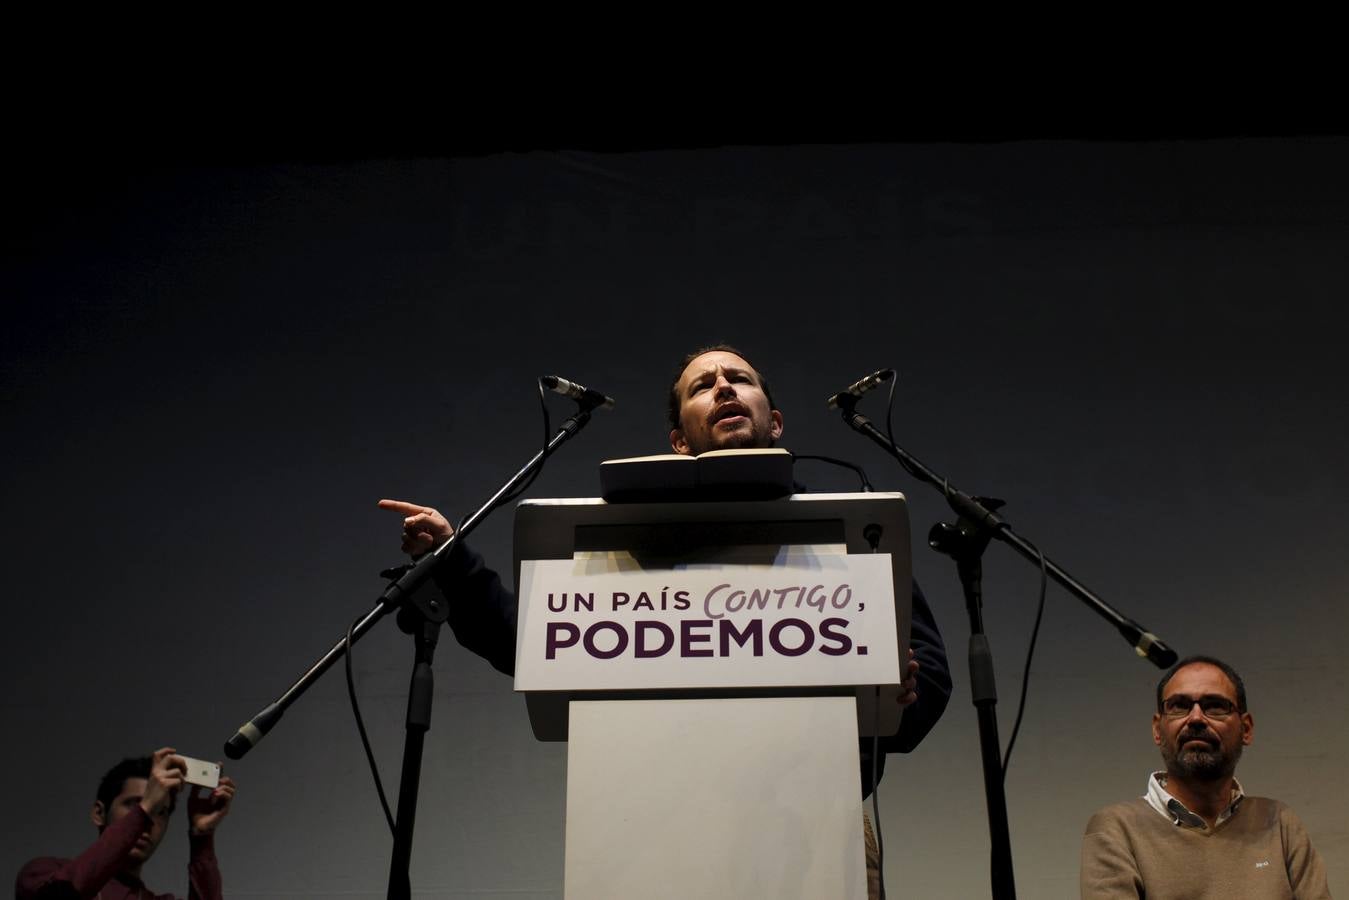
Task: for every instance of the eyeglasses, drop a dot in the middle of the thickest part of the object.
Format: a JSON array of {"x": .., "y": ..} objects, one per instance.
[{"x": 1211, "y": 705}]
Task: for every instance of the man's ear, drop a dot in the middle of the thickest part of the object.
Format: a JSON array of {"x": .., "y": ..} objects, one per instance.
[
  {"x": 677, "y": 442},
  {"x": 98, "y": 815},
  {"x": 1157, "y": 729},
  {"x": 1247, "y": 729},
  {"x": 777, "y": 423}
]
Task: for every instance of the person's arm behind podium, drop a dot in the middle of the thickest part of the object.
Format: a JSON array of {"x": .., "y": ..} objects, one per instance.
[
  {"x": 483, "y": 611},
  {"x": 928, "y": 685},
  {"x": 933, "y": 686}
]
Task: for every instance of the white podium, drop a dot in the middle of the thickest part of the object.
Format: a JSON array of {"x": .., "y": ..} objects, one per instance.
[{"x": 711, "y": 666}]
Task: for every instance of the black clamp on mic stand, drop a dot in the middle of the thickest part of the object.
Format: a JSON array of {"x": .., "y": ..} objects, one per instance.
[
  {"x": 420, "y": 614},
  {"x": 976, "y": 525}
]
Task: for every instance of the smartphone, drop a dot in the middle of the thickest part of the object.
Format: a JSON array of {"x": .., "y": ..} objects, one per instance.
[{"x": 200, "y": 772}]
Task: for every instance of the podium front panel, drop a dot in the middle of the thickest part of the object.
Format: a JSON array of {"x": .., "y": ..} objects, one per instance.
[
  {"x": 718, "y": 799},
  {"x": 622, "y": 631}
]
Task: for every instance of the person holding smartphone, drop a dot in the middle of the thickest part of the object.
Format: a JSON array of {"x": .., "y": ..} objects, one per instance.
[{"x": 131, "y": 811}]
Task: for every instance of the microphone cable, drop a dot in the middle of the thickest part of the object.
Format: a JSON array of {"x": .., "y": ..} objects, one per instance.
[
  {"x": 1030, "y": 653},
  {"x": 1040, "y": 611},
  {"x": 861, "y": 473}
]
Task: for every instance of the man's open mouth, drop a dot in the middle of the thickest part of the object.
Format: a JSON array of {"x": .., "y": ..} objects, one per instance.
[{"x": 729, "y": 411}]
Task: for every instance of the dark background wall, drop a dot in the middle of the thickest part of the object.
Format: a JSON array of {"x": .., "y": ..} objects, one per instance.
[{"x": 211, "y": 372}]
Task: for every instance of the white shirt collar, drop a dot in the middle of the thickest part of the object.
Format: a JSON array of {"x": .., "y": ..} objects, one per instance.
[{"x": 1174, "y": 810}]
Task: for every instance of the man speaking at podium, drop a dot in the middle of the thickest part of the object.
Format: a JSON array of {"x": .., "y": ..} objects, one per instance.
[{"x": 717, "y": 401}]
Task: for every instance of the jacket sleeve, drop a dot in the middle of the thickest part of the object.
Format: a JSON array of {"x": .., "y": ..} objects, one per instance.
[
  {"x": 934, "y": 690},
  {"x": 85, "y": 875},
  {"x": 934, "y": 678},
  {"x": 203, "y": 870},
  {"x": 483, "y": 611}
]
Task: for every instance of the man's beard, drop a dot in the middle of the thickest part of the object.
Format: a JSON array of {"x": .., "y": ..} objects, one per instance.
[
  {"x": 756, "y": 436},
  {"x": 1212, "y": 763},
  {"x": 753, "y": 438}
]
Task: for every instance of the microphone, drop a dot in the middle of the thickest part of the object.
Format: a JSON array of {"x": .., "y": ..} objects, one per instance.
[
  {"x": 578, "y": 392},
  {"x": 858, "y": 388},
  {"x": 1151, "y": 648},
  {"x": 252, "y": 732}
]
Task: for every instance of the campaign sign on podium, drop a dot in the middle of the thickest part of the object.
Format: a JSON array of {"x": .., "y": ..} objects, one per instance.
[
  {"x": 710, "y": 665},
  {"x": 810, "y": 618}
]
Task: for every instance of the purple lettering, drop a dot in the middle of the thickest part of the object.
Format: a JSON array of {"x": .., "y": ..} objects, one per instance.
[
  {"x": 551, "y": 641},
  {"x": 708, "y": 604},
  {"x": 807, "y": 637},
  {"x": 753, "y": 631},
  {"x": 688, "y": 638},
  {"x": 828, "y": 633},
  {"x": 620, "y": 642},
  {"x": 641, "y": 650}
]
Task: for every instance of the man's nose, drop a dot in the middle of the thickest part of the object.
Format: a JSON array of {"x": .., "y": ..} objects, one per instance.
[
  {"x": 1196, "y": 717},
  {"x": 723, "y": 387}
]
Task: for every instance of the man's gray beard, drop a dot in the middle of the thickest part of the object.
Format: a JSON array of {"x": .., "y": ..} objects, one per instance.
[{"x": 1201, "y": 765}]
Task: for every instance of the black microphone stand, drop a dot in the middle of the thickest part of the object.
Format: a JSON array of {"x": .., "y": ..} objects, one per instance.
[
  {"x": 420, "y": 614},
  {"x": 976, "y": 524}
]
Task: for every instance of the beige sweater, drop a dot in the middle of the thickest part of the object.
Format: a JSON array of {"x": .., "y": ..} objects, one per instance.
[{"x": 1262, "y": 851}]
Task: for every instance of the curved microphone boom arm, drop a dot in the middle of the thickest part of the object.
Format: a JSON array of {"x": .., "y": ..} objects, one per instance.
[{"x": 971, "y": 509}]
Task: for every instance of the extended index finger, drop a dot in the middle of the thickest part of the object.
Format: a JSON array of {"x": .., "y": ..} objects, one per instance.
[{"x": 402, "y": 506}]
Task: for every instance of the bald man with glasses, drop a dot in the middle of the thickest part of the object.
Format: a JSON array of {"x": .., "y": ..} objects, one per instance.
[{"x": 1195, "y": 834}]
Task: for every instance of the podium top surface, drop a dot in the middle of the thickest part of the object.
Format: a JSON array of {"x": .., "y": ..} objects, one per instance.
[{"x": 558, "y": 528}]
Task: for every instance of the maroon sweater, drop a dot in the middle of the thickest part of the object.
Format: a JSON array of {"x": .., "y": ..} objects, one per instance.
[{"x": 97, "y": 871}]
